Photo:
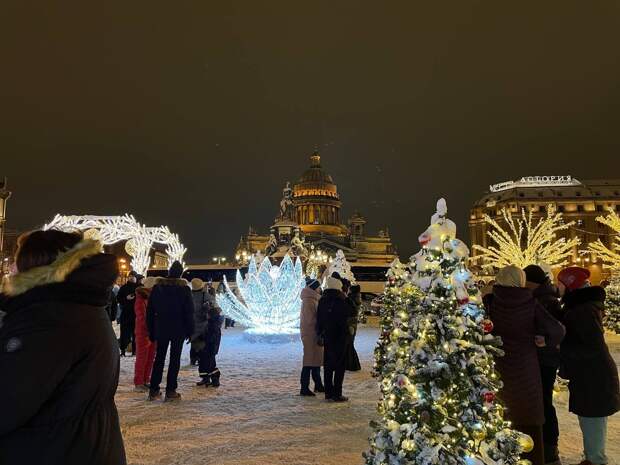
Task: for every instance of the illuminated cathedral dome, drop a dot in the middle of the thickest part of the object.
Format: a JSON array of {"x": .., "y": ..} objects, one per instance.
[{"x": 316, "y": 200}]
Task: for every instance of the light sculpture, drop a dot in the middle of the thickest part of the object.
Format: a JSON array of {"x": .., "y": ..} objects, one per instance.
[
  {"x": 269, "y": 302},
  {"x": 112, "y": 229}
]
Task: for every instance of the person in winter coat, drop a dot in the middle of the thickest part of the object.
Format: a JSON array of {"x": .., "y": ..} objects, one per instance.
[
  {"x": 313, "y": 352},
  {"x": 518, "y": 318},
  {"x": 548, "y": 357},
  {"x": 112, "y": 305},
  {"x": 59, "y": 359},
  {"x": 145, "y": 349},
  {"x": 126, "y": 299},
  {"x": 593, "y": 388},
  {"x": 355, "y": 302},
  {"x": 201, "y": 306},
  {"x": 170, "y": 320},
  {"x": 332, "y": 315},
  {"x": 208, "y": 370}
]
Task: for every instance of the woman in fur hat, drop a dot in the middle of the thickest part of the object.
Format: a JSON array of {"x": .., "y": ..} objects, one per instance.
[
  {"x": 59, "y": 359},
  {"x": 145, "y": 349},
  {"x": 313, "y": 352}
]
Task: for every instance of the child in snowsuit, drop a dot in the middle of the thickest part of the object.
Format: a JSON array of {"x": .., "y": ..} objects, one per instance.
[{"x": 208, "y": 370}]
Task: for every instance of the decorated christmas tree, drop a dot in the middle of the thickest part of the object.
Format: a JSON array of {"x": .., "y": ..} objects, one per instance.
[
  {"x": 340, "y": 265},
  {"x": 611, "y": 320},
  {"x": 397, "y": 302},
  {"x": 439, "y": 384}
]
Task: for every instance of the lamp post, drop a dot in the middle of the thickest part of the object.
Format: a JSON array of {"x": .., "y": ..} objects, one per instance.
[{"x": 219, "y": 260}]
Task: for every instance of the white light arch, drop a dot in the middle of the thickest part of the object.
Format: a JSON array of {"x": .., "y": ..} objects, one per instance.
[{"x": 112, "y": 229}]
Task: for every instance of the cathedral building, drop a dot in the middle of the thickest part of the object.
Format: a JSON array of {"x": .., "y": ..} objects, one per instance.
[{"x": 311, "y": 219}]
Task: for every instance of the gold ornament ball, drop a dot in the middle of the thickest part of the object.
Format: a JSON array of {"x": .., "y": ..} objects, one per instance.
[
  {"x": 479, "y": 434},
  {"x": 130, "y": 247},
  {"x": 526, "y": 443},
  {"x": 524, "y": 462}
]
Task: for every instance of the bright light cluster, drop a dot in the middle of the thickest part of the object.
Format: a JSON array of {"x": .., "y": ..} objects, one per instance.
[
  {"x": 113, "y": 229},
  {"x": 609, "y": 255},
  {"x": 525, "y": 242},
  {"x": 270, "y": 297}
]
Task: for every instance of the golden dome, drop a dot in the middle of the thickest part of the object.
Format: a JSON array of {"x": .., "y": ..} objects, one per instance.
[{"x": 315, "y": 181}]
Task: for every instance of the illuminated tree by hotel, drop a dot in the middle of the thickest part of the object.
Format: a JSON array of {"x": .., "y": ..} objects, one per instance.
[
  {"x": 528, "y": 242},
  {"x": 317, "y": 260},
  {"x": 611, "y": 257},
  {"x": 269, "y": 302},
  {"x": 112, "y": 229},
  {"x": 439, "y": 383}
]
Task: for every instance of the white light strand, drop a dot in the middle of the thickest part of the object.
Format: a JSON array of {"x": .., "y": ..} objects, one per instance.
[{"x": 112, "y": 229}]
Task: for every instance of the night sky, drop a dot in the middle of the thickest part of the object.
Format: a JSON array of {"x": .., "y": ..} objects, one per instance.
[{"x": 194, "y": 114}]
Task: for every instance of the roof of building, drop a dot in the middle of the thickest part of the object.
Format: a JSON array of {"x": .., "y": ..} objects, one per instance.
[{"x": 601, "y": 189}]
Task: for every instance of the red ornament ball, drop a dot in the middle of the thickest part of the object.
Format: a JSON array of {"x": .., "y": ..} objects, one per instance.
[
  {"x": 487, "y": 325},
  {"x": 463, "y": 301},
  {"x": 489, "y": 397}
]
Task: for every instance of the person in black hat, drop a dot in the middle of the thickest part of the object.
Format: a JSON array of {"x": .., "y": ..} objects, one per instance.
[
  {"x": 170, "y": 320},
  {"x": 548, "y": 357},
  {"x": 126, "y": 298}
]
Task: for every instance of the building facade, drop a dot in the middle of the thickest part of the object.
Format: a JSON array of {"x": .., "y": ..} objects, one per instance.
[
  {"x": 578, "y": 201},
  {"x": 311, "y": 217}
]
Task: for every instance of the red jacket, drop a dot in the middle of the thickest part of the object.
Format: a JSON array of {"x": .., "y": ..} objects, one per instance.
[{"x": 142, "y": 298}]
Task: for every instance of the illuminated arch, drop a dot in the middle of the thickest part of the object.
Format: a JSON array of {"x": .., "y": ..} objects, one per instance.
[{"x": 112, "y": 229}]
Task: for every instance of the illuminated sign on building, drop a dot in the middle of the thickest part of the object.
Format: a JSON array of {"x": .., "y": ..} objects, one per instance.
[{"x": 536, "y": 181}]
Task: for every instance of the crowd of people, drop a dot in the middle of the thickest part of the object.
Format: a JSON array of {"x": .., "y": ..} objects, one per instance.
[
  {"x": 546, "y": 329},
  {"x": 60, "y": 351}
]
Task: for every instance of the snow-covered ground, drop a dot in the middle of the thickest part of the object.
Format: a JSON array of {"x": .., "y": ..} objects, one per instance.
[{"x": 257, "y": 418}]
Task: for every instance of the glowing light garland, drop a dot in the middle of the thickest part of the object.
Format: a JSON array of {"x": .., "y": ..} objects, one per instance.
[
  {"x": 270, "y": 298},
  {"x": 526, "y": 243},
  {"x": 112, "y": 229},
  {"x": 610, "y": 256}
]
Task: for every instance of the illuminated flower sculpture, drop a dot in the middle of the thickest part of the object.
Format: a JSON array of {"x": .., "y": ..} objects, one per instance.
[{"x": 270, "y": 300}]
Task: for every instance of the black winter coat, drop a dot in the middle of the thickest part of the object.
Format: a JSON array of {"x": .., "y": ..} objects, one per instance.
[
  {"x": 128, "y": 313},
  {"x": 548, "y": 296},
  {"x": 213, "y": 334},
  {"x": 332, "y": 315},
  {"x": 355, "y": 303},
  {"x": 170, "y": 311},
  {"x": 59, "y": 364},
  {"x": 586, "y": 361}
]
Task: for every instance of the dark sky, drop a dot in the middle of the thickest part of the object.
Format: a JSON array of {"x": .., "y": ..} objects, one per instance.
[{"x": 194, "y": 114}]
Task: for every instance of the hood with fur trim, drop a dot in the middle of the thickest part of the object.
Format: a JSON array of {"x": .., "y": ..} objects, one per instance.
[
  {"x": 82, "y": 274},
  {"x": 55, "y": 272}
]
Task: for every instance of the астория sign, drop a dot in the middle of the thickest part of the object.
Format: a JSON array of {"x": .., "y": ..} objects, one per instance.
[{"x": 536, "y": 181}]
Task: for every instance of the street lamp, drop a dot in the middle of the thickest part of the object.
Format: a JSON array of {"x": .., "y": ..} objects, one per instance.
[{"x": 219, "y": 260}]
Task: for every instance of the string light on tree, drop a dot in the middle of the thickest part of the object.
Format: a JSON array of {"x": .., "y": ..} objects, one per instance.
[
  {"x": 270, "y": 299},
  {"x": 341, "y": 266},
  {"x": 527, "y": 242},
  {"x": 438, "y": 382}
]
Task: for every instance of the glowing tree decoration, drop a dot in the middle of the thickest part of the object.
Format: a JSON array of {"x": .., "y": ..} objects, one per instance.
[
  {"x": 438, "y": 382},
  {"x": 340, "y": 265},
  {"x": 609, "y": 255},
  {"x": 112, "y": 229},
  {"x": 526, "y": 242},
  {"x": 270, "y": 300}
]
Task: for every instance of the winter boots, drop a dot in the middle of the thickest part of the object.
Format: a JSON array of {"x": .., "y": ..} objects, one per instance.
[
  {"x": 172, "y": 396},
  {"x": 210, "y": 379},
  {"x": 154, "y": 395}
]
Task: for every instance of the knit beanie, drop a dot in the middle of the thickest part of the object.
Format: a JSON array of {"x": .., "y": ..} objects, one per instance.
[
  {"x": 333, "y": 283},
  {"x": 535, "y": 274},
  {"x": 510, "y": 276},
  {"x": 574, "y": 277},
  {"x": 176, "y": 270}
]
